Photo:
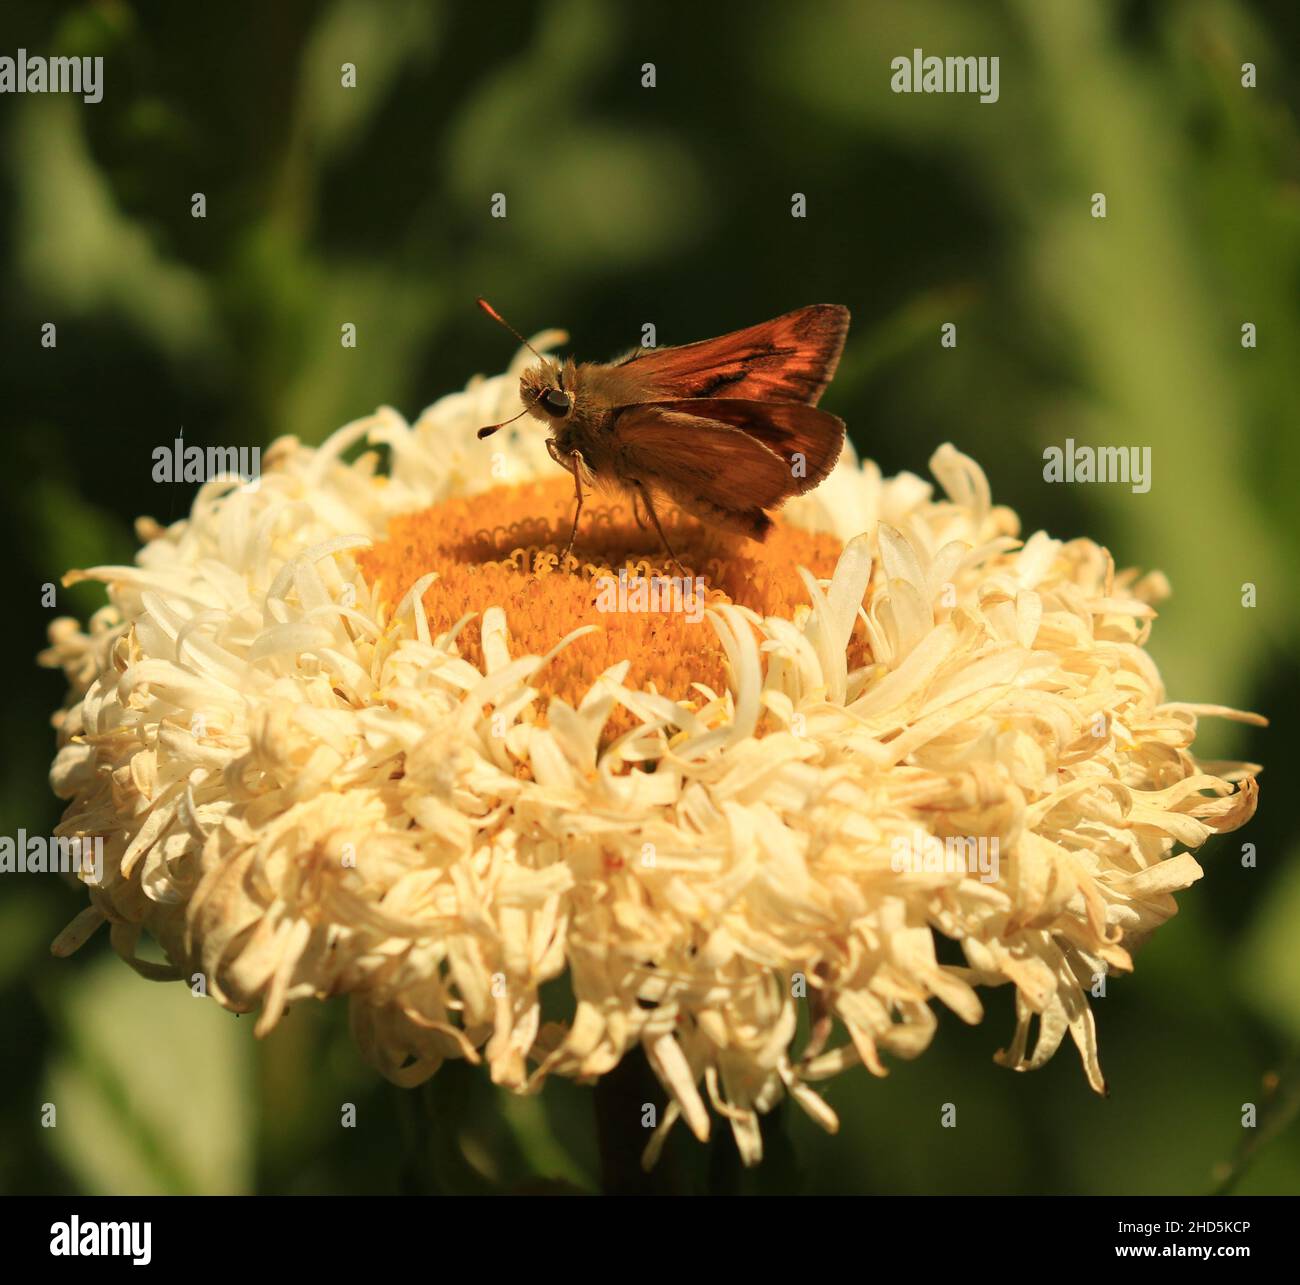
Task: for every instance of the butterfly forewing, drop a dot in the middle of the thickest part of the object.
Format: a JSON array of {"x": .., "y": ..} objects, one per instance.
[{"x": 789, "y": 359}]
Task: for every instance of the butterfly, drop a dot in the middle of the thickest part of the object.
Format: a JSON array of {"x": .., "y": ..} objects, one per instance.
[{"x": 725, "y": 428}]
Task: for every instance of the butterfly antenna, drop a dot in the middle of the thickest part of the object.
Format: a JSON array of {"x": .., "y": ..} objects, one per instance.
[
  {"x": 501, "y": 321},
  {"x": 489, "y": 429}
]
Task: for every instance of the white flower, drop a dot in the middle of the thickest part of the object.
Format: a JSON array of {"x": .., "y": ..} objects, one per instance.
[{"x": 353, "y": 731}]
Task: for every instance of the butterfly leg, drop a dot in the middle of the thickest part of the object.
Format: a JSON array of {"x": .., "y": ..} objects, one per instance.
[
  {"x": 636, "y": 509},
  {"x": 575, "y": 465},
  {"x": 654, "y": 517}
]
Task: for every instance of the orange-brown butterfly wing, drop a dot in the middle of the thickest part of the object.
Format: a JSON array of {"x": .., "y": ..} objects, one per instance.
[
  {"x": 788, "y": 359},
  {"x": 687, "y": 455},
  {"x": 808, "y": 441},
  {"x": 722, "y": 471}
]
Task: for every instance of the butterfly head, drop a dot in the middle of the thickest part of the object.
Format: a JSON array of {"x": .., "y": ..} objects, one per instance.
[{"x": 547, "y": 390}]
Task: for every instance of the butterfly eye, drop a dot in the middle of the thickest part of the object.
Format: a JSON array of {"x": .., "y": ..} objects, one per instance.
[{"x": 557, "y": 402}]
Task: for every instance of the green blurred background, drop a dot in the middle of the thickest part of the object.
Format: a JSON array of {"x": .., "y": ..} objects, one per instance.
[{"x": 669, "y": 205}]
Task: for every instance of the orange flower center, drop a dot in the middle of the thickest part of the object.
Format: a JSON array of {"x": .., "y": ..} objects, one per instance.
[{"x": 501, "y": 548}]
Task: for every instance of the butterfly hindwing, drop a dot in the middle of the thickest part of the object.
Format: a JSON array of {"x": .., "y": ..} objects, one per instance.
[
  {"x": 806, "y": 440},
  {"x": 692, "y": 459},
  {"x": 728, "y": 460}
]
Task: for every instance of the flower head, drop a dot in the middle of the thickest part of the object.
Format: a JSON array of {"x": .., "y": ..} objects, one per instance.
[{"x": 357, "y": 730}]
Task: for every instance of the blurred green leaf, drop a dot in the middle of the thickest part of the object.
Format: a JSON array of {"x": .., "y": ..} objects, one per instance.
[
  {"x": 1268, "y": 963},
  {"x": 77, "y": 252},
  {"x": 142, "y": 1114}
]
